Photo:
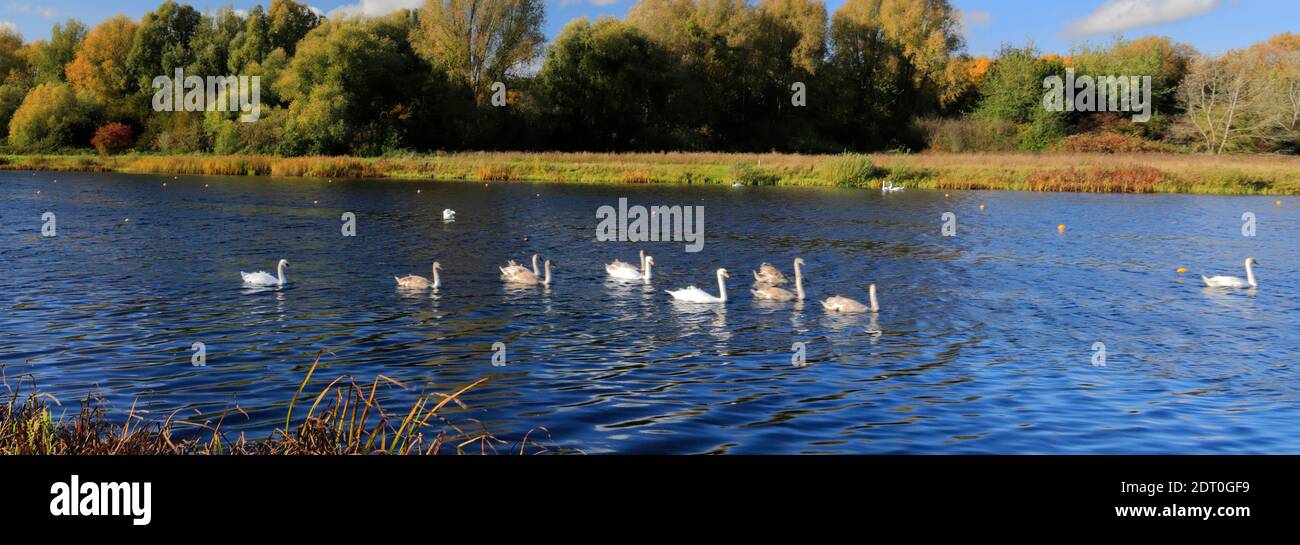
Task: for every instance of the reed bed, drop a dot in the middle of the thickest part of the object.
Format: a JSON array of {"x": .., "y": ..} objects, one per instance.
[
  {"x": 1017, "y": 171},
  {"x": 343, "y": 418}
]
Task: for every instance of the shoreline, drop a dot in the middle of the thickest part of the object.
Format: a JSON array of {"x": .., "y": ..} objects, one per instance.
[{"x": 1040, "y": 172}]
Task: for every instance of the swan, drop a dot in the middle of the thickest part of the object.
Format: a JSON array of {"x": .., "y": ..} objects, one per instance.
[
  {"x": 262, "y": 278},
  {"x": 697, "y": 295},
  {"x": 849, "y": 306},
  {"x": 513, "y": 269},
  {"x": 767, "y": 274},
  {"x": 889, "y": 187},
  {"x": 626, "y": 271},
  {"x": 773, "y": 293},
  {"x": 449, "y": 215},
  {"x": 529, "y": 278},
  {"x": 420, "y": 282},
  {"x": 1233, "y": 281}
]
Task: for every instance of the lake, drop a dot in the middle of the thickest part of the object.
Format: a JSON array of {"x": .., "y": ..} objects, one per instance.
[{"x": 985, "y": 341}]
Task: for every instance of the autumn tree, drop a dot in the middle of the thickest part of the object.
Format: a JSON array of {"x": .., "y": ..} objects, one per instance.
[
  {"x": 49, "y": 59},
  {"x": 51, "y": 117},
  {"x": 479, "y": 42},
  {"x": 99, "y": 67}
]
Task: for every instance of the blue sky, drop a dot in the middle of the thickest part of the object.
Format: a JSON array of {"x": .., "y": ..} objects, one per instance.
[{"x": 1212, "y": 26}]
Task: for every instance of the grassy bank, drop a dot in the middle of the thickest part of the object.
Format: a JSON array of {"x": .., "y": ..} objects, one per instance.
[
  {"x": 1125, "y": 173},
  {"x": 345, "y": 417}
]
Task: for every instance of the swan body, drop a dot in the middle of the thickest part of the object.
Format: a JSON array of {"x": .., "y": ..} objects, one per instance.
[
  {"x": 889, "y": 187},
  {"x": 845, "y": 305},
  {"x": 1234, "y": 282},
  {"x": 773, "y": 293},
  {"x": 767, "y": 274},
  {"x": 625, "y": 271},
  {"x": 697, "y": 295},
  {"x": 420, "y": 282},
  {"x": 449, "y": 215},
  {"x": 513, "y": 269},
  {"x": 531, "y": 279},
  {"x": 262, "y": 278}
]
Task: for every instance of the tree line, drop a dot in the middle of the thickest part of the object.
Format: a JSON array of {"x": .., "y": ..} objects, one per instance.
[{"x": 716, "y": 75}]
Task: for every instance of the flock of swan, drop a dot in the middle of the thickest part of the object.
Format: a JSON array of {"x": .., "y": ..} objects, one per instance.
[{"x": 767, "y": 282}]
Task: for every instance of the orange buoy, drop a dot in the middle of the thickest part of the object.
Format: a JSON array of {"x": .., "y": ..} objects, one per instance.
[
  {"x": 1061, "y": 227},
  {"x": 1180, "y": 270}
]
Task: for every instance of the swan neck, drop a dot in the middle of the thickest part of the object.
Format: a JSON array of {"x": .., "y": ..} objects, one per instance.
[
  {"x": 875, "y": 306},
  {"x": 798, "y": 281},
  {"x": 1250, "y": 274},
  {"x": 646, "y": 267},
  {"x": 722, "y": 288},
  {"x": 547, "y": 281},
  {"x": 536, "y": 272},
  {"x": 279, "y": 271},
  {"x": 437, "y": 281}
]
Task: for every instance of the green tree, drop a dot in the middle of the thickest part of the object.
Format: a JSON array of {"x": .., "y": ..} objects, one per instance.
[
  {"x": 211, "y": 42},
  {"x": 289, "y": 23},
  {"x": 13, "y": 61},
  {"x": 162, "y": 43},
  {"x": 606, "y": 87},
  {"x": 252, "y": 43},
  {"x": 50, "y": 58}
]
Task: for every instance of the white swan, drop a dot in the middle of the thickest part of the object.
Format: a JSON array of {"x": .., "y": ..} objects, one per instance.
[
  {"x": 1233, "y": 281},
  {"x": 513, "y": 269},
  {"x": 889, "y": 187},
  {"x": 773, "y": 293},
  {"x": 769, "y": 275},
  {"x": 697, "y": 295},
  {"x": 848, "y": 306},
  {"x": 420, "y": 282},
  {"x": 262, "y": 278},
  {"x": 531, "y": 279},
  {"x": 625, "y": 271},
  {"x": 449, "y": 215}
]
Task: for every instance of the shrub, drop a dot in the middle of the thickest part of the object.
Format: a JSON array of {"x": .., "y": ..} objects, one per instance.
[
  {"x": 1108, "y": 142},
  {"x": 50, "y": 117},
  {"x": 850, "y": 170},
  {"x": 747, "y": 174},
  {"x": 1134, "y": 179},
  {"x": 113, "y": 138}
]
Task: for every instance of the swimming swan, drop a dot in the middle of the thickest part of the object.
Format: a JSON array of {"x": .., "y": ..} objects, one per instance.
[
  {"x": 513, "y": 269},
  {"x": 625, "y": 271},
  {"x": 261, "y": 278},
  {"x": 769, "y": 275},
  {"x": 849, "y": 306},
  {"x": 1232, "y": 281},
  {"x": 697, "y": 295},
  {"x": 773, "y": 293},
  {"x": 420, "y": 282},
  {"x": 449, "y": 215},
  {"x": 889, "y": 187},
  {"x": 529, "y": 278}
]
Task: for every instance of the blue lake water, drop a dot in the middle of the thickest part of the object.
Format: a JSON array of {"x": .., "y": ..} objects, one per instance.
[{"x": 984, "y": 342}]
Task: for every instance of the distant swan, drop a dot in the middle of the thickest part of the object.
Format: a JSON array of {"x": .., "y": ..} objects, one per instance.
[
  {"x": 773, "y": 293},
  {"x": 769, "y": 275},
  {"x": 530, "y": 278},
  {"x": 262, "y": 278},
  {"x": 1232, "y": 281},
  {"x": 513, "y": 269},
  {"x": 625, "y": 271},
  {"x": 449, "y": 215},
  {"x": 697, "y": 295},
  {"x": 849, "y": 306},
  {"x": 420, "y": 282},
  {"x": 889, "y": 187}
]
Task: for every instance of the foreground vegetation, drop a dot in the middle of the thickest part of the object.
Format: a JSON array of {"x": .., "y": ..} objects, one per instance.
[
  {"x": 1063, "y": 171},
  {"x": 343, "y": 418}
]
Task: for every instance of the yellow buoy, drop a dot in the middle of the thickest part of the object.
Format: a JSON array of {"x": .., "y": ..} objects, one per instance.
[
  {"x": 1278, "y": 202},
  {"x": 981, "y": 206},
  {"x": 1061, "y": 227},
  {"x": 945, "y": 195},
  {"x": 1180, "y": 270}
]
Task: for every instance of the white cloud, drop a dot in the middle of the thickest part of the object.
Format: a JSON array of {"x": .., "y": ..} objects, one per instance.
[
  {"x": 374, "y": 8},
  {"x": 1120, "y": 15},
  {"x": 28, "y": 9}
]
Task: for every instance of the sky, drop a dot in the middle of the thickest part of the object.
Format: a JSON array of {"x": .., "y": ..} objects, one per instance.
[{"x": 1212, "y": 26}]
